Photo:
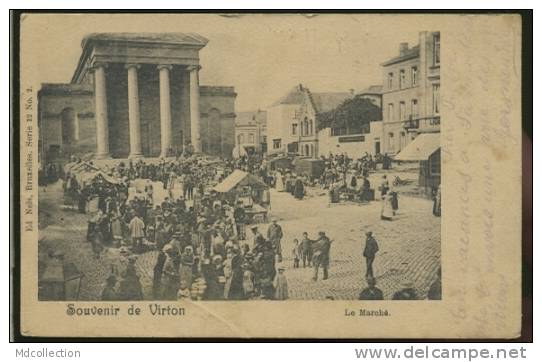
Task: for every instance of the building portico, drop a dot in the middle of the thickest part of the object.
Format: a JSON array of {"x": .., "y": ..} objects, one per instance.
[
  {"x": 164, "y": 53},
  {"x": 147, "y": 100}
]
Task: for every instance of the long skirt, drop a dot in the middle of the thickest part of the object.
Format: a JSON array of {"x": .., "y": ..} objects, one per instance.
[
  {"x": 279, "y": 185},
  {"x": 387, "y": 210},
  {"x": 186, "y": 275}
]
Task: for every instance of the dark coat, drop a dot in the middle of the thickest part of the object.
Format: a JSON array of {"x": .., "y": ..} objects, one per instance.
[
  {"x": 306, "y": 244},
  {"x": 299, "y": 189},
  {"x": 274, "y": 232},
  {"x": 321, "y": 249},
  {"x": 239, "y": 215},
  {"x": 371, "y": 248}
]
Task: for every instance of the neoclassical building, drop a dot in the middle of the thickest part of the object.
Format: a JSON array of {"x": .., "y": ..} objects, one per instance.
[{"x": 136, "y": 95}]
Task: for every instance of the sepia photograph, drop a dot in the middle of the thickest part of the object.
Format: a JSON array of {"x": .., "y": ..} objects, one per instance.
[
  {"x": 229, "y": 170},
  {"x": 154, "y": 186}
]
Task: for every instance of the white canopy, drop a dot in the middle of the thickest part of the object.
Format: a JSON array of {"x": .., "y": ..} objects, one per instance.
[
  {"x": 238, "y": 177},
  {"x": 420, "y": 148}
]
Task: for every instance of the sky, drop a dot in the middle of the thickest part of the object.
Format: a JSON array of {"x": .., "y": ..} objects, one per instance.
[{"x": 262, "y": 56}]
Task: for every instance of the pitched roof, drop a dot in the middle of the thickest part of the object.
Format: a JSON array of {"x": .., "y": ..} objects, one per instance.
[
  {"x": 373, "y": 89},
  {"x": 295, "y": 96},
  {"x": 171, "y": 38},
  {"x": 324, "y": 102},
  {"x": 409, "y": 53},
  {"x": 65, "y": 88},
  {"x": 251, "y": 117}
]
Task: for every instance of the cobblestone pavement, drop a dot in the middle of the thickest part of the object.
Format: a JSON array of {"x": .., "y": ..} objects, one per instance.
[{"x": 409, "y": 245}]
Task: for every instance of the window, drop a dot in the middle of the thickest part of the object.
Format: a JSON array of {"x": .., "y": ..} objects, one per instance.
[
  {"x": 402, "y": 140},
  {"x": 251, "y": 138},
  {"x": 436, "y": 45},
  {"x": 402, "y": 79},
  {"x": 402, "y": 111},
  {"x": 436, "y": 98},
  {"x": 414, "y": 76},
  {"x": 414, "y": 108},
  {"x": 305, "y": 127},
  {"x": 294, "y": 129},
  {"x": 276, "y": 144},
  {"x": 390, "y": 80},
  {"x": 264, "y": 139},
  {"x": 391, "y": 142},
  {"x": 390, "y": 112},
  {"x": 310, "y": 127},
  {"x": 241, "y": 139}
]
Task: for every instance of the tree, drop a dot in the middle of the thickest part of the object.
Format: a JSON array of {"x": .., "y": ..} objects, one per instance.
[{"x": 353, "y": 115}]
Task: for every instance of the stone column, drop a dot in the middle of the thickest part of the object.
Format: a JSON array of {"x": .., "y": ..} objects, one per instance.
[
  {"x": 194, "y": 108},
  {"x": 102, "y": 127},
  {"x": 133, "y": 111},
  {"x": 165, "y": 110}
]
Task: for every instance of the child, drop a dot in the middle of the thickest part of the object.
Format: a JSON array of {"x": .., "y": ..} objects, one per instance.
[
  {"x": 248, "y": 281},
  {"x": 184, "y": 292},
  {"x": 296, "y": 253},
  {"x": 281, "y": 285}
]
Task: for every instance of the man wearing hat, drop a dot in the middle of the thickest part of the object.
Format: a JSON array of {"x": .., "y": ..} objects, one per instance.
[
  {"x": 257, "y": 237},
  {"x": 239, "y": 215},
  {"x": 176, "y": 242},
  {"x": 160, "y": 233},
  {"x": 371, "y": 248},
  {"x": 274, "y": 235},
  {"x": 157, "y": 274},
  {"x": 320, "y": 256}
]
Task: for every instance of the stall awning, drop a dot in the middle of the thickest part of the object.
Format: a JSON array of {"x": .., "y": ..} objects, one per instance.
[
  {"x": 420, "y": 148},
  {"x": 238, "y": 177},
  {"x": 88, "y": 177}
]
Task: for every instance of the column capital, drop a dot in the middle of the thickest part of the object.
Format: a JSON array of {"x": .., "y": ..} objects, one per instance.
[
  {"x": 97, "y": 65},
  {"x": 191, "y": 68},
  {"x": 164, "y": 66},
  {"x": 132, "y": 65}
]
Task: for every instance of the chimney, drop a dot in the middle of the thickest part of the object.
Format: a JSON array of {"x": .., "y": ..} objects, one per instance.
[
  {"x": 403, "y": 47},
  {"x": 300, "y": 86},
  {"x": 352, "y": 91}
]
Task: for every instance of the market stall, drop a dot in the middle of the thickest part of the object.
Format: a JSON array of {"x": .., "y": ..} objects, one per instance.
[
  {"x": 247, "y": 188},
  {"x": 313, "y": 168}
]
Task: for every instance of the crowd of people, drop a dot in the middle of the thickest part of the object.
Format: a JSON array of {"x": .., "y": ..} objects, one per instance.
[
  {"x": 213, "y": 264},
  {"x": 203, "y": 250}
]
